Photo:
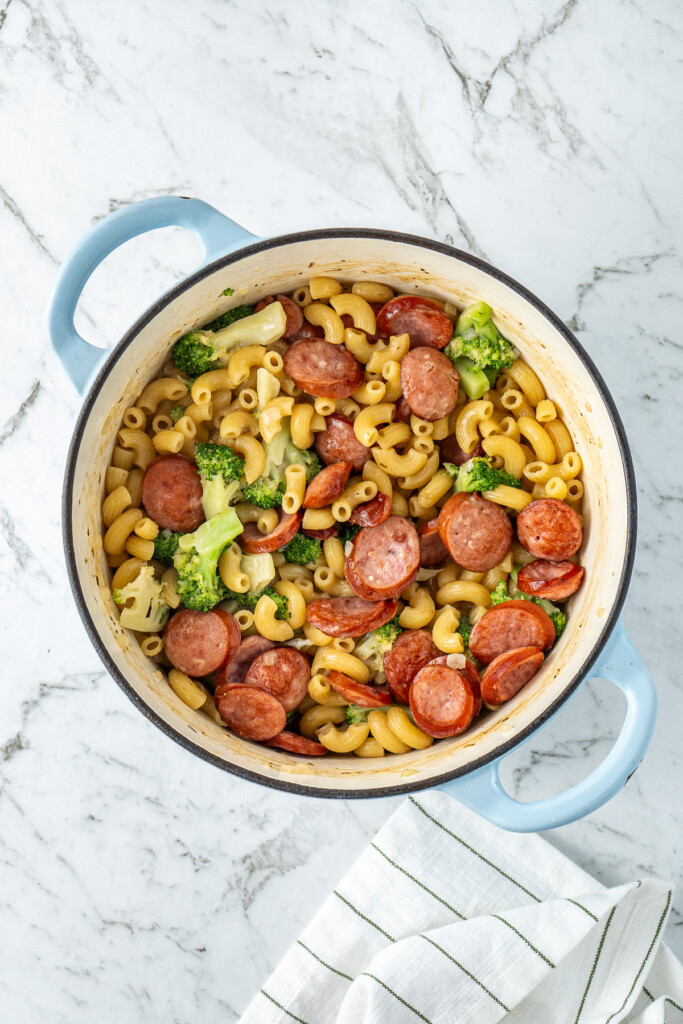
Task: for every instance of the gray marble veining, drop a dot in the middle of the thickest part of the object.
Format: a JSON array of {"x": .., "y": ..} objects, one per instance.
[{"x": 136, "y": 881}]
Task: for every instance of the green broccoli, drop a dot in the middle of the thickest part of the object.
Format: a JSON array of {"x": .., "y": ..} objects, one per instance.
[
  {"x": 500, "y": 593},
  {"x": 251, "y": 599},
  {"x": 478, "y": 350},
  {"x": 165, "y": 546},
  {"x": 176, "y": 412},
  {"x": 302, "y": 550},
  {"x": 268, "y": 489},
  {"x": 464, "y": 629},
  {"x": 374, "y": 646},
  {"x": 477, "y": 475},
  {"x": 355, "y": 714},
  {"x": 220, "y": 471},
  {"x": 225, "y": 319},
  {"x": 347, "y": 531},
  {"x": 196, "y": 560},
  {"x": 559, "y": 621},
  {"x": 200, "y": 350}
]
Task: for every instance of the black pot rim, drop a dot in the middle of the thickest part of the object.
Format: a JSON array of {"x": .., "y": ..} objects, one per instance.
[{"x": 390, "y": 236}]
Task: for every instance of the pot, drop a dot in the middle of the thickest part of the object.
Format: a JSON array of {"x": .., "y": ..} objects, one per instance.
[{"x": 594, "y": 643}]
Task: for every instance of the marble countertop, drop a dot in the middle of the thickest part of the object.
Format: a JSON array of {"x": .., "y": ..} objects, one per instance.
[{"x": 138, "y": 882}]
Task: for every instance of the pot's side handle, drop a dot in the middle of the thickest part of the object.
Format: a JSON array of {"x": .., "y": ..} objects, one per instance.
[
  {"x": 482, "y": 791},
  {"x": 217, "y": 233}
]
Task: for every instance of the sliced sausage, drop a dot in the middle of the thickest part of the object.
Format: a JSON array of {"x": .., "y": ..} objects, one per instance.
[
  {"x": 349, "y": 616},
  {"x": 293, "y": 313},
  {"x": 555, "y": 581},
  {"x": 358, "y": 693},
  {"x": 172, "y": 494},
  {"x": 323, "y": 369},
  {"x": 236, "y": 668},
  {"x": 421, "y": 319},
  {"x": 331, "y": 531},
  {"x": 477, "y": 532},
  {"x": 327, "y": 485},
  {"x": 451, "y": 451},
  {"x": 282, "y": 671},
  {"x": 403, "y": 410},
  {"x": 508, "y": 673},
  {"x": 307, "y": 331},
  {"x": 199, "y": 642},
  {"x": 550, "y": 529},
  {"x": 412, "y": 650},
  {"x": 338, "y": 443},
  {"x": 432, "y": 548},
  {"x": 510, "y": 625},
  {"x": 384, "y": 559},
  {"x": 441, "y": 701},
  {"x": 256, "y": 543},
  {"x": 430, "y": 383},
  {"x": 234, "y": 634},
  {"x": 372, "y": 512},
  {"x": 469, "y": 671},
  {"x": 251, "y": 713},
  {"x": 296, "y": 744}
]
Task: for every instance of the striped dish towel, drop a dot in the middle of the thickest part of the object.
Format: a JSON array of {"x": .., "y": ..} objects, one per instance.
[{"x": 448, "y": 920}]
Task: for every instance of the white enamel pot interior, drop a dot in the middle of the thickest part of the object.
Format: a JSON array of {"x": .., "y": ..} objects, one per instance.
[{"x": 407, "y": 264}]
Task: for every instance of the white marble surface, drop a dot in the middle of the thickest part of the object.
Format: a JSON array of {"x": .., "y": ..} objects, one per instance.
[{"x": 137, "y": 882}]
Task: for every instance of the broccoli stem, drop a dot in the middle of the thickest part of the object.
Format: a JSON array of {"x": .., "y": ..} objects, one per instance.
[{"x": 474, "y": 381}]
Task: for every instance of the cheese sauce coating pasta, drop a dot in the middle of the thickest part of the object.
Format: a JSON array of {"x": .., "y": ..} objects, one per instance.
[{"x": 367, "y": 609}]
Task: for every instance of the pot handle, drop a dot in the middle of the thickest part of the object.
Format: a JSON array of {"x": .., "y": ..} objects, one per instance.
[
  {"x": 482, "y": 790},
  {"x": 217, "y": 233}
]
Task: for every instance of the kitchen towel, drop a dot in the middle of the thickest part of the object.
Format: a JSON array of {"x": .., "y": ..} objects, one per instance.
[{"x": 449, "y": 920}]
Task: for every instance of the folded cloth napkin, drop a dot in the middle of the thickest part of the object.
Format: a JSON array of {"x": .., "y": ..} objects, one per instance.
[{"x": 449, "y": 920}]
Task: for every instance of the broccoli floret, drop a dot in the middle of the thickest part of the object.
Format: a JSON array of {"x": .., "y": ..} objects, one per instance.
[
  {"x": 464, "y": 629},
  {"x": 302, "y": 550},
  {"x": 478, "y": 338},
  {"x": 176, "y": 412},
  {"x": 355, "y": 714},
  {"x": 268, "y": 489},
  {"x": 500, "y": 593},
  {"x": 559, "y": 621},
  {"x": 374, "y": 646},
  {"x": 251, "y": 599},
  {"x": 477, "y": 475},
  {"x": 220, "y": 471},
  {"x": 196, "y": 352},
  {"x": 347, "y": 531},
  {"x": 225, "y": 319},
  {"x": 143, "y": 609},
  {"x": 165, "y": 546},
  {"x": 196, "y": 560}
]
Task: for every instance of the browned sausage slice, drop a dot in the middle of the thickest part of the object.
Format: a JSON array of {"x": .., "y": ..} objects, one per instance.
[
  {"x": 338, "y": 443},
  {"x": 234, "y": 634},
  {"x": 412, "y": 650},
  {"x": 402, "y": 411},
  {"x": 384, "y": 559},
  {"x": 349, "y": 616},
  {"x": 307, "y": 331},
  {"x": 198, "y": 642},
  {"x": 430, "y": 383},
  {"x": 172, "y": 494},
  {"x": 477, "y": 532},
  {"x": 550, "y": 529},
  {"x": 251, "y": 713},
  {"x": 441, "y": 701},
  {"x": 331, "y": 531},
  {"x": 508, "y": 673},
  {"x": 373, "y": 512},
  {"x": 327, "y": 485},
  {"x": 451, "y": 451},
  {"x": 432, "y": 548},
  {"x": 236, "y": 668},
  {"x": 555, "y": 581},
  {"x": 423, "y": 320},
  {"x": 510, "y": 625},
  {"x": 469, "y": 671},
  {"x": 296, "y": 744},
  {"x": 358, "y": 693},
  {"x": 295, "y": 317},
  {"x": 323, "y": 369},
  {"x": 256, "y": 543},
  {"x": 282, "y": 671}
]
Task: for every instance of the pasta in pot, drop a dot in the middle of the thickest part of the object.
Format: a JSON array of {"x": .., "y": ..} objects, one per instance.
[{"x": 341, "y": 525}]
